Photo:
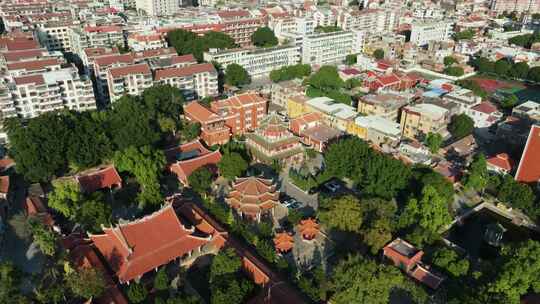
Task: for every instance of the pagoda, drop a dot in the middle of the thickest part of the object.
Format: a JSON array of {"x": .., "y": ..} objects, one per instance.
[{"x": 253, "y": 197}]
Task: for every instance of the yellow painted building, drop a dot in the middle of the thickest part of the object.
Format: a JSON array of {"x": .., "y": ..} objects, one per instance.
[
  {"x": 296, "y": 106},
  {"x": 357, "y": 130}
]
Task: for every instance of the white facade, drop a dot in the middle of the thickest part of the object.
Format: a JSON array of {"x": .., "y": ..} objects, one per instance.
[
  {"x": 257, "y": 62},
  {"x": 55, "y": 37},
  {"x": 373, "y": 20},
  {"x": 424, "y": 32},
  {"x": 158, "y": 7},
  {"x": 34, "y": 95},
  {"x": 327, "y": 48}
]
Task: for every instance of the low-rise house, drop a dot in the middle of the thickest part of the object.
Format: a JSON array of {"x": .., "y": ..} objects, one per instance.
[
  {"x": 409, "y": 259},
  {"x": 214, "y": 131},
  {"x": 464, "y": 98},
  {"x": 105, "y": 177},
  {"x": 313, "y": 132},
  {"x": 414, "y": 152},
  {"x": 500, "y": 164},
  {"x": 296, "y": 106},
  {"x": 4, "y": 187},
  {"x": 385, "y": 105},
  {"x": 484, "y": 115},
  {"x": 422, "y": 119},
  {"x": 376, "y": 129},
  {"x": 282, "y": 91},
  {"x": 186, "y": 158},
  {"x": 463, "y": 148},
  {"x": 529, "y": 111},
  {"x": 334, "y": 114}
]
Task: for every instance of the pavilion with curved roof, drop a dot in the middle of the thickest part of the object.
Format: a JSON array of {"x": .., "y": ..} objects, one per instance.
[{"x": 253, "y": 197}]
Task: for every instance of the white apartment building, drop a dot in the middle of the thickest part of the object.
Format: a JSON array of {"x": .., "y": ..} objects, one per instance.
[
  {"x": 257, "y": 61},
  {"x": 55, "y": 36},
  {"x": 96, "y": 36},
  {"x": 158, "y": 7},
  {"x": 33, "y": 95},
  {"x": 424, "y": 32},
  {"x": 324, "y": 17},
  {"x": 371, "y": 20},
  {"x": 327, "y": 48},
  {"x": 142, "y": 42},
  {"x": 128, "y": 80},
  {"x": 195, "y": 81}
]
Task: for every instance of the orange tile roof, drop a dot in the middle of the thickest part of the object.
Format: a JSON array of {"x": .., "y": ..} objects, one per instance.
[
  {"x": 23, "y": 54},
  {"x": 184, "y": 168},
  {"x": 529, "y": 166},
  {"x": 102, "y": 178},
  {"x": 502, "y": 161},
  {"x": 251, "y": 195},
  {"x": 185, "y": 71},
  {"x": 189, "y": 58},
  {"x": 140, "y": 246},
  {"x": 134, "y": 69},
  {"x": 308, "y": 228},
  {"x": 423, "y": 274},
  {"x": 283, "y": 241},
  {"x": 116, "y": 58},
  {"x": 199, "y": 113}
]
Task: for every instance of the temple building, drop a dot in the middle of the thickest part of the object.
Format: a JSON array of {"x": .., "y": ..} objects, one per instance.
[
  {"x": 309, "y": 229},
  {"x": 253, "y": 197},
  {"x": 138, "y": 247},
  {"x": 186, "y": 158},
  {"x": 272, "y": 141}
]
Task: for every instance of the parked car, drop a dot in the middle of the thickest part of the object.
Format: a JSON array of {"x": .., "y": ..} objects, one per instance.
[
  {"x": 288, "y": 202},
  {"x": 332, "y": 186}
]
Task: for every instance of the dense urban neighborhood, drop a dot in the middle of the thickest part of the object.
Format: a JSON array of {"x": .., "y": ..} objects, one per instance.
[{"x": 270, "y": 151}]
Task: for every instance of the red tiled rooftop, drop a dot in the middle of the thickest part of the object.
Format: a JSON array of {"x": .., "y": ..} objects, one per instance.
[
  {"x": 117, "y": 58},
  {"x": 502, "y": 161},
  {"x": 199, "y": 113},
  {"x": 233, "y": 14},
  {"x": 485, "y": 107},
  {"x": 140, "y": 246},
  {"x": 308, "y": 228},
  {"x": 189, "y": 58},
  {"x": 424, "y": 275},
  {"x": 4, "y": 184},
  {"x": 23, "y": 54},
  {"x": 283, "y": 242},
  {"x": 135, "y": 69},
  {"x": 101, "y": 178},
  {"x": 529, "y": 166}
]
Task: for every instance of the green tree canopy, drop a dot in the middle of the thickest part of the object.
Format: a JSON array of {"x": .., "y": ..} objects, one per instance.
[
  {"x": 146, "y": 164},
  {"x": 433, "y": 142},
  {"x": 200, "y": 180},
  {"x": 86, "y": 283},
  {"x": 161, "y": 280},
  {"x": 236, "y": 75},
  {"x": 190, "y": 131},
  {"x": 94, "y": 213},
  {"x": 224, "y": 263},
  {"x": 232, "y": 165},
  {"x": 477, "y": 174},
  {"x": 454, "y": 71},
  {"x": 449, "y": 60},
  {"x": 378, "y": 224},
  {"x": 449, "y": 260},
  {"x": 187, "y": 42},
  {"x": 44, "y": 237},
  {"x": 264, "y": 37},
  {"x": 509, "y": 101},
  {"x": 502, "y": 67},
  {"x": 137, "y": 293},
  {"x": 464, "y": 35},
  {"x": 519, "y": 273},
  {"x": 378, "y": 54},
  {"x": 10, "y": 280},
  {"x": 351, "y": 59},
  {"x": 519, "y": 70},
  {"x": 460, "y": 126},
  {"x": 290, "y": 72},
  {"x": 534, "y": 74},
  {"x": 343, "y": 213},
  {"x": 327, "y": 82},
  {"x": 430, "y": 211},
  {"x": 66, "y": 197}
]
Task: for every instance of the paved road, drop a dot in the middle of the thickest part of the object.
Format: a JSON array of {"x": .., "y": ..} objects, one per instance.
[{"x": 308, "y": 201}]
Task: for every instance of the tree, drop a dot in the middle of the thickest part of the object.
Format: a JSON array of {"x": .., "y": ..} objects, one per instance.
[
  {"x": 449, "y": 60},
  {"x": 290, "y": 72},
  {"x": 89, "y": 143},
  {"x": 509, "y": 101},
  {"x": 137, "y": 293},
  {"x": 86, "y": 283},
  {"x": 484, "y": 65},
  {"x": 344, "y": 213},
  {"x": 378, "y": 54},
  {"x": 146, "y": 164},
  {"x": 358, "y": 280},
  {"x": 231, "y": 291},
  {"x": 351, "y": 59},
  {"x": 378, "y": 224},
  {"x": 224, "y": 263},
  {"x": 191, "y": 131},
  {"x": 533, "y": 75},
  {"x": 449, "y": 260},
  {"x": 430, "y": 211},
  {"x": 232, "y": 165},
  {"x": 326, "y": 82},
  {"x": 66, "y": 197},
  {"x": 10, "y": 279},
  {"x": 460, "y": 126},
  {"x": 264, "y": 37},
  {"x": 187, "y": 42},
  {"x": 161, "y": 280},
  {"x": 502, "y": 67},
  {"x": 464, "y": 35},
  {"x": 44, "y": 237},
  {"x": 519, "y": 70},
  {"x": 94, "y": 213},
  {"x": 519, "y": 273},
  {"x": 517, "y": 195},
  {"x": 200, "y": 180},
  {"x": 477, "y": 174},
  {"x": 454, "y": 71},
  {"x": 236, "y": 75},
  {"x": 433, "y": 142}
]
